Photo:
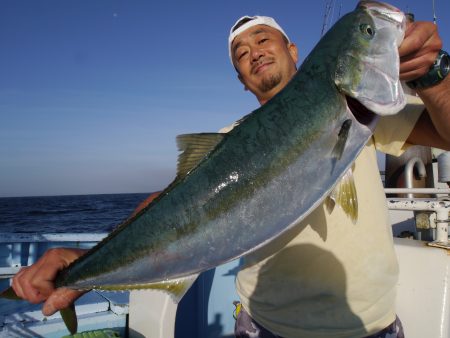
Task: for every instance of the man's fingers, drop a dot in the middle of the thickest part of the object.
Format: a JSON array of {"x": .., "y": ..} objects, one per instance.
[
  {"x": 16, "y": 285},
  {"x": 24, "y": 288},
  {"x": 34, "y": 283},
  {"x": 418, "y": 50},
  {"x": 414, "y": 73},
  {"x": 420, "y": 38},
  {"x": 60, "y": 299}
]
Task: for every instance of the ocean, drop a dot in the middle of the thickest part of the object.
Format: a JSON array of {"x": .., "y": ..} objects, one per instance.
[{"x": 58, "y": 214}]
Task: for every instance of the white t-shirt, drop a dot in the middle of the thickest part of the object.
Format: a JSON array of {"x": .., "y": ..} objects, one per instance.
[{"x": 329, "y": 277}]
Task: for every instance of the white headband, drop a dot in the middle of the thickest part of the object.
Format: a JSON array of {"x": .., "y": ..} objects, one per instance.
[{"x": 253, "y": 21}]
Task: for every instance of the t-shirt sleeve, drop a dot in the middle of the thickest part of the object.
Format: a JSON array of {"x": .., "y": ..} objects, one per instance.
[{"x": 392, "y": 131}]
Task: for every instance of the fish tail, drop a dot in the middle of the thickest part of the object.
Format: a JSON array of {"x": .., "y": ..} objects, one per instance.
[{"x": 68, "y": 314}]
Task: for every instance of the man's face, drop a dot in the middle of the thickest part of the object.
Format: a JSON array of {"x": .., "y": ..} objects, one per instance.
[{"x": 264, "y": 60}]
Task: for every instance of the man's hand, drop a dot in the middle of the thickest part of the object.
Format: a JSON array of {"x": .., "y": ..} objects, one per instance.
[
  {"x": 418, "y": 50},
  {"x": 35, "y": 283}
]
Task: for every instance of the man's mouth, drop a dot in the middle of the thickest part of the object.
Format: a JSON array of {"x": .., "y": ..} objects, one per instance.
[{"x": 261, "y": 66}]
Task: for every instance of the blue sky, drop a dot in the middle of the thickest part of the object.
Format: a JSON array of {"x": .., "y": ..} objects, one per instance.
[{"x": 94, "y": 92}]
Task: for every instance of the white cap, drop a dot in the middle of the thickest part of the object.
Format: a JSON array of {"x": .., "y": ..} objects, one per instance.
[{"x": 252, "y": 21}]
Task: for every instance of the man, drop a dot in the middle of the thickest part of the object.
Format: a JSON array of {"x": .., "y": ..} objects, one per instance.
[{"x": 333, "y": 278}]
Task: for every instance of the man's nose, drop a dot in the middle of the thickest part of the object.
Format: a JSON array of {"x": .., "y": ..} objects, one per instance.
[{"x": 257, "y": 53}]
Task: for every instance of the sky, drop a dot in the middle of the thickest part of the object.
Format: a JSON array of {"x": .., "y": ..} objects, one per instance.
[{"x": 94, "y": 92}]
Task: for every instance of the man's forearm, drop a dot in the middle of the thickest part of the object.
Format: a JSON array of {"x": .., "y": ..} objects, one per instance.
[{"x": 437, "y": 102}]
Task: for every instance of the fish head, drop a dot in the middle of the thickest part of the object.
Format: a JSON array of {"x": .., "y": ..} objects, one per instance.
[{"x": 368, "y": 63}]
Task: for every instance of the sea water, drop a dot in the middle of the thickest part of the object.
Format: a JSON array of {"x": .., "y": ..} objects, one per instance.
[{"x": 59, "y": 214}]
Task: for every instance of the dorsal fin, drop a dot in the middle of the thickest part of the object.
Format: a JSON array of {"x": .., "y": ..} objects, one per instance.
[{"x": 194, "y": 148}]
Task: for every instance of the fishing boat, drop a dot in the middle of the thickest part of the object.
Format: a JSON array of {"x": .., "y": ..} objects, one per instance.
[
  {"x": 420, "y": 229},
  {"x": 420, "y": 234}
]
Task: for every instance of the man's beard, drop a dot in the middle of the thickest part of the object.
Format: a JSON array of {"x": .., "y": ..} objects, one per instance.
[{"x": 269, "y": 83}]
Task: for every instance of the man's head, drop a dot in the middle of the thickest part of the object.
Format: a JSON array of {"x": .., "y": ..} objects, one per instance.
[{"x": 263, "y": 55}]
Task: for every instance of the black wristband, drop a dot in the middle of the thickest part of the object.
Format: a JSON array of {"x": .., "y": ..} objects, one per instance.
[{"x": 438, "y": 71}]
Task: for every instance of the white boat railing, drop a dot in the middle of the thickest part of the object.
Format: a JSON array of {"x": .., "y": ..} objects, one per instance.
[
  {"x": 439, "y": 207},
  {"x": 24, "y": 249},
  {"x": 428, "y": 191}
]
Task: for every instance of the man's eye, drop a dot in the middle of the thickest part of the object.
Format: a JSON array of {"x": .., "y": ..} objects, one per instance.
[
  {"x": 263, "y": 40},
  {"x": 241, "y": 55}
]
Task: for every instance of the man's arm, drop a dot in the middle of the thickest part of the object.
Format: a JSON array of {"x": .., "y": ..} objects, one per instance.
[
  {"x": 417, "y": 53},
  {"x": 434, "y": 127},
  {"x": 145, "y": 202}
]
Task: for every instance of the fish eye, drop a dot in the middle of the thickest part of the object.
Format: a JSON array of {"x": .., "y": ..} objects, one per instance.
[{"x": 367, "y": 29}]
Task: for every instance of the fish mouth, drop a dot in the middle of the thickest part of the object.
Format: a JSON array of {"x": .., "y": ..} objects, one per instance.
[
  {"x": 361, "y": 113},
  {"x": 384, "y": 11}
]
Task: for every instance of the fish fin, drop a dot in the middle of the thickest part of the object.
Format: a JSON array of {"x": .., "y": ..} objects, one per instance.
[
  {"x": 344, "y": 195},
  {"x": 10, "y": 294},
  {"x": 330, "y": 203},
  {"x": 176, "y": 288},
  {"x": 194, "y": 148},
  {"x": 69, "y": 316},
  {"x": 342, "y": 139}
]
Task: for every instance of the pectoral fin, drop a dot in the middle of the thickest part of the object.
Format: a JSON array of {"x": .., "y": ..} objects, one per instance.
[
  {"x": 344, "y": 195},
  {"x": 342, "y": 139}
]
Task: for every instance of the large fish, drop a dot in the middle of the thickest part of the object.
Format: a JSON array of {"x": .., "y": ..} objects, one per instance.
[{"x": 235, "y": 192}]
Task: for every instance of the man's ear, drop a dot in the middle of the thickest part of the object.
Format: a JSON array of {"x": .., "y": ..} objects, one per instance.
[
  {"x": 293, "y": 51},
  {"x": 242, "y": 81}
]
